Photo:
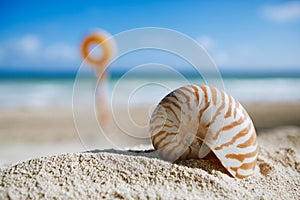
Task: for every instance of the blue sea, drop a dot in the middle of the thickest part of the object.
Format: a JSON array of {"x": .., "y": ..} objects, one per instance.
[{"x": 134, "y": 91}]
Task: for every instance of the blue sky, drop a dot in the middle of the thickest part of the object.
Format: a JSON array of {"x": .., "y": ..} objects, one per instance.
[{"x": 251, "y": 35}]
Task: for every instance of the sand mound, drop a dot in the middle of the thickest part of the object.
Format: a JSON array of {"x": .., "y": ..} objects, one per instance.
[{"x": 128, "y": 175}]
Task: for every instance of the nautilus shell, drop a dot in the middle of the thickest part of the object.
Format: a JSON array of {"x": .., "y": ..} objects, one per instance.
[{"x": 194, "y": 120}]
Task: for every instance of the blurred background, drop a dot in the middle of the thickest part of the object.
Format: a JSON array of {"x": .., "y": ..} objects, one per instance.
[{"x": 254, "y": 44}]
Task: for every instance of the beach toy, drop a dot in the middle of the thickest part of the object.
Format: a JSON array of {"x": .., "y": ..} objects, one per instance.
[
  {"x": 194, "y": 120},
  {"x": 98, "y": 38},
  {"x": 99, "y": 63}
]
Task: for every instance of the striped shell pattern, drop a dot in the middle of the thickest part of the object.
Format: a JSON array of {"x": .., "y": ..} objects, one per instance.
[{"x": 194, "y": 120}]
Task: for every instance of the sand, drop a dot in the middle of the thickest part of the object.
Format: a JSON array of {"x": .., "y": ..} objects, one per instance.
[
  {"x": 37, "y": 160},
  {"x": 140, "y": 174}
]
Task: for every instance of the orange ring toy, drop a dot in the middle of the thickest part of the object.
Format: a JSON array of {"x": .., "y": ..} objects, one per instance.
[{"x": 96, "y": 39}]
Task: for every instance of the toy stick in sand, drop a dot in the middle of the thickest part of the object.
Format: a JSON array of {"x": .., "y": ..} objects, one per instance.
[{"x": 108, "y": 50}]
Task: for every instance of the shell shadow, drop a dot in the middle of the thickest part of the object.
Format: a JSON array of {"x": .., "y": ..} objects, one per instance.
[
  {"x": 150, "y": 153},
  {"x": 210, "y": 163}
]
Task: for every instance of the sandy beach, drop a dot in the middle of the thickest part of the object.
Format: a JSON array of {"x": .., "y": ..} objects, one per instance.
[{"x": 41, "y": 156}]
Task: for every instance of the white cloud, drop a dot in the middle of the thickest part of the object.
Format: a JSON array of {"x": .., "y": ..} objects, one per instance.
[
  {"x": 207, "y": 42},
  {"x": 221, "y": 58},
  {"x": 2, "y": 53},
  {"x": 29, "y": 44},
  {"x": 30, "y": 51},
  {"x": 62, "y": 52},
  {"x": 285, "y": 12},
  {"x": 245, "y": 54}
]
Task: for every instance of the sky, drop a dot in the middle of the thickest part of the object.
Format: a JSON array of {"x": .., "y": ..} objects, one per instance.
[{"x": 249, "y": 35}]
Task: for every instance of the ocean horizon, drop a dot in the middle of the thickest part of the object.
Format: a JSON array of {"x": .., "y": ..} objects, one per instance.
[{"x": 117, "y": 72}]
